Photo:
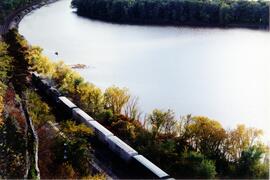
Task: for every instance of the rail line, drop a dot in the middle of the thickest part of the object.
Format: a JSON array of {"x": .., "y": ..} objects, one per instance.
[{"x": 13, "y": 19}]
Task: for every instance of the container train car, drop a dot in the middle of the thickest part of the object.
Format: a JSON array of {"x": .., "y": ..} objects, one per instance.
[{"x": 116, "y": 145}]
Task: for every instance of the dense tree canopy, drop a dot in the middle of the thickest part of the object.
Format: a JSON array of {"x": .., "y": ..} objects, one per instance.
[{"x": 219, "y": 13}]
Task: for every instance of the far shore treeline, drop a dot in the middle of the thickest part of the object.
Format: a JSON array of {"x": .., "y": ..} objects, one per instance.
[{"x": 203, "y": 13}]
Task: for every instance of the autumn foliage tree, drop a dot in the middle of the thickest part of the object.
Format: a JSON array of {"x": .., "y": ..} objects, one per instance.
[
  {"x": 115, "y": 98},
  {"x": 206, "y": 135},
  {"x": 162, "y": 122}
]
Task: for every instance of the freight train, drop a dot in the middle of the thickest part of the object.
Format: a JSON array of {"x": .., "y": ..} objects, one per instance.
[{"x": 127, "y": 154}]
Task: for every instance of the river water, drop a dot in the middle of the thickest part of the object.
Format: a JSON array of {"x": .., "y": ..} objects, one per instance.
[{"x": 222, "y": 74}]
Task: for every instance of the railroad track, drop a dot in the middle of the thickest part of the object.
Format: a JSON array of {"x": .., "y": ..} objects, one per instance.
[{"x": 13, "y": 20}]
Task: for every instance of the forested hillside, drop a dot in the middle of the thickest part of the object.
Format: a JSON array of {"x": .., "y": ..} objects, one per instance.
[{"x": 219, "y": 13}]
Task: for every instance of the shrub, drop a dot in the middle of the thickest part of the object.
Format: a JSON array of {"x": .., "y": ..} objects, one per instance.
[{"x": 207, "y": 169}]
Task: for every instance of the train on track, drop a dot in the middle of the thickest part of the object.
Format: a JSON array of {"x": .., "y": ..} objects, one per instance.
[{"x": 127, "y": 154}]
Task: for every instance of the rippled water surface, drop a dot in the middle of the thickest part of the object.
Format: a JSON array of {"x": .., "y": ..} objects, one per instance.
[{"x": 222, "y": 74}]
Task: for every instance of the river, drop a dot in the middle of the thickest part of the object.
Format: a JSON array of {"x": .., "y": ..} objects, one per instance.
[{"x": 220, "y": 73}]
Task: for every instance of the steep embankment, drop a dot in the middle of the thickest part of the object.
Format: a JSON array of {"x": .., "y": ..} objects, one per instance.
[
  {"x": 27, "y": 118},
  {"x": 15, "y": 121},
  {"x": 13, "y": 154}
]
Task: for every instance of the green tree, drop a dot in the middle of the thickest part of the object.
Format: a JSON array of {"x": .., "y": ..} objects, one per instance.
[
  {"x": 194, "y": 165},
  {"x": 249, "y": 165},
  {"x": 207, "y": 169}
]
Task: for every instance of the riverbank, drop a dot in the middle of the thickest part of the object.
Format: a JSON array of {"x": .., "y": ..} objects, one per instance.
[{"x": 13, "y": 20}]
